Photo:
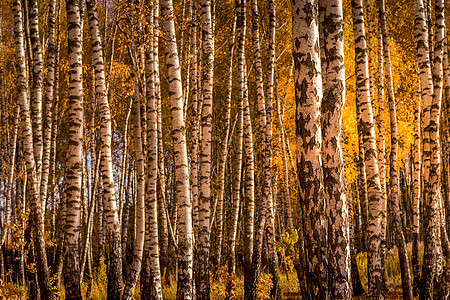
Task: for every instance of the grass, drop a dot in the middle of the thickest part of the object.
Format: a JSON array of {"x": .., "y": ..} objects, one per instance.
[
  {"x": 220, "y": 279},
  {"x": 392, "y": 266},
  {"x": 288, "y": 284}
]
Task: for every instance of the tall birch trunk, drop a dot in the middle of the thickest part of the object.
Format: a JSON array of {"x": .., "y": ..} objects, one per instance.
[
  {"x": 37, "y": 84},
  {"x": 28, "y": 152},
  {"x": 431, "y": 94},
  {"x": 253, "y": 240},
  {"x": 367, "y": 136},
  {"x": 9, "y": 199},
  {"x": 416, "y": 195},
  {"x": 49, "y": 100},
  {"x": 224, "y": 151},
  {"x": 394, "y": 176},
  {"x": 151, "y": 275},
  {"x": 308, "y": 96},
  {"x": 109, "y": 195},
  {"x": 248, "y": 210},
  {"x": 275, "y": 291},
  {"x": 241, "y": 26},
  {"x": 333, "y": 167},
  {"x": 381, "y": 146},
  {"x": 426, "y": 88},
  {"x": 139, "y": 204},
  {"x": 196, "y": 109},
  {"x": 202, "y": 283},
  {"x": 185, "y": 242},
  {"x": 75, "y": 154}
]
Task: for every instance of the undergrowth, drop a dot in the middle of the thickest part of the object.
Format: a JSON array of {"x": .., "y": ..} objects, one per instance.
[{"x": 223, "y": 284}]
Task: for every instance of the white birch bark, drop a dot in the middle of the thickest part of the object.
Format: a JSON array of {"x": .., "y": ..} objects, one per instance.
[
  {"x": 333, "y": 167},
  {"x": 139, "y": 205},
  {"x": 37, "y": 84},
  {"x": 9, "y": 199},
  {"x": 381, "y": 145},
  {"x": 224, "y": 151},
  {"x": 185, "y": 251},
  {"x": 49, "y": 100},
  {"x": 75, "y": 154},
  {"x": 151, "y": 275},
  {"x": 417, "y": 150},
  {"x": 195, "y": 122},
  {"x": 308, "y": 96},
  {"x": 164, "y": 223},
  {"x": 394, "y": 176},
  {"x": 241, "y": 26},
  {"x": 109, "y": 194},
  {"x": 367, "y": 136},
  {"x": 431, "y": 106},
  {"x": 28, "y": 152},
  {"x": 203, "y": 285},
  {"x": 275, "y": 291}
]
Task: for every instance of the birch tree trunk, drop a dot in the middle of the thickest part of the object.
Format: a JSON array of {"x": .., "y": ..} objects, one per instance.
[
  {"x": 164, "y": 225},
  {"x": 275, "y": 291},
  {"x": 367, "y": 136},
  {"x": 241, "y": 27},
  {"x": 357, "y": 288},
  {"x": 362, "y": 185},
  {"x": 333, "y": 167},
  {"x": 394, "y": 176},
  {"x": 248, "y": 211},
  {"x": 151, "y": 275},
  {"x": 381, "y": 146},
  {"x": 224, "y": 151},
  {"x": 432, "y": 181},
  {"x": 109, "y": 195},
  {"x": 75, "y": 154},
  {"x": 139, "y": 221},
  {"x": 431, "y": 106},
  {"x": 416, "y": 195},
  {"x": 426, "y": 87},
  {"x": 254, "y": 231},
  {"x": 8, "y": 197},
  {"x": 202, "y": 284},
  {"x": 185, "y": 246},
  {"x": 37, "y": 83},
  {"x": 28, "y": 152},
  {"x": 49, "y": 100},
  {"x": 308, "y": 98},
  {"x": 196, "y": 109}
]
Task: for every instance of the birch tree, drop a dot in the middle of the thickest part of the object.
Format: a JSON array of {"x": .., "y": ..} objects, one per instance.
[
  {"x": 203, "y": 285},
  {"x": 49, "y": 99},
  {"x": 37, "y": 83},
  {"x": 241, "y": 27},
  {"x": 308, "y": 98},
  {"x": 431, "y": 265},
  {"x": 75, "y": 154},
  {"x": 185, "y": 243},
  {"x": 394, "y": 177},
  {"x": 109, "y": 195},
  {"x": 367, "y": 137},
  {"x": 255, "y": 230},
  {"x": 333, "y": 167},
  {"x": 416, "y": 194},
  {"x": 225, "y": 150},
  {"x": 381, "y": 145},
  {"x": 28, "y": 152},
  {"x": 271, "y": 203}
]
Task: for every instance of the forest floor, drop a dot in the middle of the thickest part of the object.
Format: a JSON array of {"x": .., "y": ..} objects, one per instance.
[{"x": 220, "y": 279}]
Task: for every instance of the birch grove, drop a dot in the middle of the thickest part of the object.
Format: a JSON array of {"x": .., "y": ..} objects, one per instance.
[{"x": 198, "y": 149}]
